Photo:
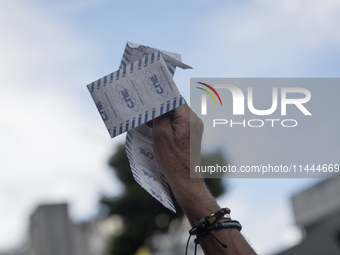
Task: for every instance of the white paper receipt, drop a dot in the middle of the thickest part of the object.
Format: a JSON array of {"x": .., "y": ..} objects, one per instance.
[{"x": 141, "y": 90}]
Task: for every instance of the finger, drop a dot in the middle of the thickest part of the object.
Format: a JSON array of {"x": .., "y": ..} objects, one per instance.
[
  {"x": 184, "y": 110},
  {"x": 149, "y": 123},
  {"x": 162, "y": 127}
]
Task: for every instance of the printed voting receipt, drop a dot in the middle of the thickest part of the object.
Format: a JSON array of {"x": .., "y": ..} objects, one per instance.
[{"x": 141, "y": 90}]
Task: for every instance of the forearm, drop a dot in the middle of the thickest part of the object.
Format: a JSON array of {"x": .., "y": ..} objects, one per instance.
[
  {"x": 190, "y": 196},
  {"x": 175, "y": 152},
  {"x": 197, "y": 202}
]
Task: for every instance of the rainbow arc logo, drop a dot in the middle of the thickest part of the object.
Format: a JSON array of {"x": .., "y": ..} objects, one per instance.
[{"x": 209, "y": 93}]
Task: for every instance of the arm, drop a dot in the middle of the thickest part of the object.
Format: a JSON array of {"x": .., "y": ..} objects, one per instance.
[{"x": 171, "y": 142}]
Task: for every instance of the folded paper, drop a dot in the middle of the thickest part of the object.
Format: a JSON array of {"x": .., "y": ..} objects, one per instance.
[{"x": 139, "y": 91}]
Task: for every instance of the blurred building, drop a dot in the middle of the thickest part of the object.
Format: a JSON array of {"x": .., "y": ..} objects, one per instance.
[
  {"x": 317, "y": 212},
  {"x": 52, "y": 233}
]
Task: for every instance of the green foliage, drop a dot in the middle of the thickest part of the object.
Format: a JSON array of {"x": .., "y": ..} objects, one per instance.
[
  {"x": 215, "y": 185},
  {"x": 141, "y": 213}
]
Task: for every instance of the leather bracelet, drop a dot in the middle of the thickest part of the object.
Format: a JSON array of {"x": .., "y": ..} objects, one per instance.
[
  {"x": 227, "y": 224},
  {"x": 205, "y": 222}
]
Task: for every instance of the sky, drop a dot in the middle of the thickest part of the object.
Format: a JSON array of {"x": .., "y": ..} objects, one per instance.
[{"x": 54, "y": 146}]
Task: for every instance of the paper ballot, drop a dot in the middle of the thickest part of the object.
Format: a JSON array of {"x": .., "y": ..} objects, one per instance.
[{"x": 141, "y": 90}]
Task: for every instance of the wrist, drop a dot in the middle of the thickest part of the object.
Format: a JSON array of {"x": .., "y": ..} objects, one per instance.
[{"x": 195, "y": 199}]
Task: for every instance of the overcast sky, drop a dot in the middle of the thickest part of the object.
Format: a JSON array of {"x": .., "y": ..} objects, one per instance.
[{"x": 53, "y": 144}]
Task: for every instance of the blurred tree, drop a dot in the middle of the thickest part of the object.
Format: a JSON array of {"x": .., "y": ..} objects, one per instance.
[{"x": 142, "y": 215}]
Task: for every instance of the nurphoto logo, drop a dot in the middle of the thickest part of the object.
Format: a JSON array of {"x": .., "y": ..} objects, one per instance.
[{"x": 295, "y": 96}]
